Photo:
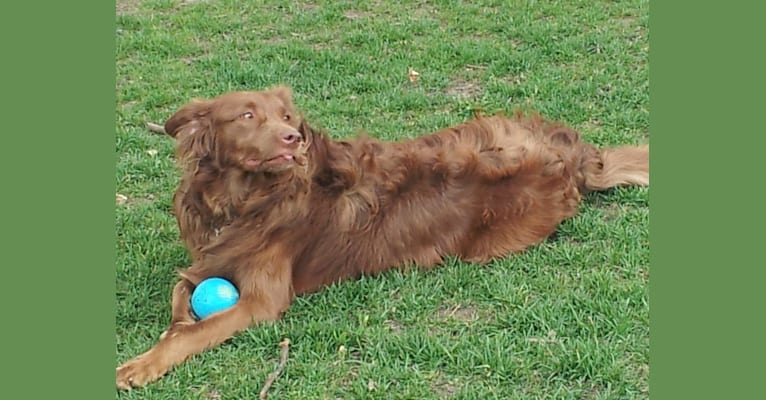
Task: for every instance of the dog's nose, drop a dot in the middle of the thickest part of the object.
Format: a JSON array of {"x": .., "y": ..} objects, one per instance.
[{"x": 290, "y": 137}]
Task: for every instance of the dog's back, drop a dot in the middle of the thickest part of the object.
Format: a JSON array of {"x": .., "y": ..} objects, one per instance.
[{"x": 483, "y": 189}]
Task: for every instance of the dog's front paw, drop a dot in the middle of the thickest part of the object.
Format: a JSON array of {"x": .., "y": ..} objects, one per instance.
[{"x": 139, "y": 371}]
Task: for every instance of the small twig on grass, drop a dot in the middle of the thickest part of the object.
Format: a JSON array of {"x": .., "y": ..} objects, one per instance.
[
  {"x": 285, "y": 345},
  {"x": 155, "y": 128},
  {"x": 474, "y": 66}
]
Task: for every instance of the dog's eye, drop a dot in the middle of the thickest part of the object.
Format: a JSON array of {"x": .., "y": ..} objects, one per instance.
[
  {"x": 247, "y": 115},
  {"x": 286, "y": 117}
]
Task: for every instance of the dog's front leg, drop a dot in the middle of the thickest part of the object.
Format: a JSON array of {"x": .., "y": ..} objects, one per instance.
[
  {"x": 181, "y": 313},
  {"x": 181, "y": 342},
  {"x": 264, "y": 294}
]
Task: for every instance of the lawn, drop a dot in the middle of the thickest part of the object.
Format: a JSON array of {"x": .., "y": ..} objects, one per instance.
[{"x": 567, "y": 319}]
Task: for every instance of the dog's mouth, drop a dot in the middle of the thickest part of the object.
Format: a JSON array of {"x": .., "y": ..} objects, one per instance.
[{"x": 281, "y": 159}]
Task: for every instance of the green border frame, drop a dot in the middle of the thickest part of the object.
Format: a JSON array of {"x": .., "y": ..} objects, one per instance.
[
  {"x": 706, "y": 302},
  {"x": 706, "y": 78},
  {"x": 58, "y": 199}
]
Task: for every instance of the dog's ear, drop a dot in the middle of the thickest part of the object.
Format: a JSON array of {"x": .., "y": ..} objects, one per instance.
[
  {"x": 308, "y": 133},
  {"x": 192, "y": 127},
  {"x": 187, "y": 119},
  {"x": 284, "y": 93}
]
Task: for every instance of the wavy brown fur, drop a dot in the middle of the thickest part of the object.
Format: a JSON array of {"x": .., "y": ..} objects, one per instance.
[{"x": 486, "y": 188}]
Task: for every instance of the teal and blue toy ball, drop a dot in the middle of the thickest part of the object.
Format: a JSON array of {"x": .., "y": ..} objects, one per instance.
[{"x": 213, "y": 295}]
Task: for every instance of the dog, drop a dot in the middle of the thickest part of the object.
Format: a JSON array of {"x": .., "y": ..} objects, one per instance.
[{"x": 280, "y": 209}]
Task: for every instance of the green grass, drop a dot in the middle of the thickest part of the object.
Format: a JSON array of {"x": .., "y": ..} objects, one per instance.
[{"x": 568, "y": 319}]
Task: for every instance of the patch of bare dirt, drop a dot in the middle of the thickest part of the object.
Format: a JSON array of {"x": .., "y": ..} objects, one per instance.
[
  {"x": 125, "y": 201},
  {"x": 127, "y": 7},
  {"x": 463, "y": 89},
  {"x": 309, "y": 7},
  {"x": 458, "y": 312},
  {"x": 213, "y": 394},
  {"x": 593, "y": 392},
  {"x": 395, "y": 326},
  {"x": 612, "y": 212},
  {"x": 444, "y": 389},
  {"x": 627, "y": 20},
  {"x": 354, "y": 14}
]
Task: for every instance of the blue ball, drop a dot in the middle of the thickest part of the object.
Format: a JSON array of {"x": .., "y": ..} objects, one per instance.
[{"x": 213, "y": 295}]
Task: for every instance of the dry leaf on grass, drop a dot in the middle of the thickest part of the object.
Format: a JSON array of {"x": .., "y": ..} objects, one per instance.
[
  {"x": 121, "y": 199},
  {"x": 414, "y": 75},
  {"x": 151, "y": 152}
]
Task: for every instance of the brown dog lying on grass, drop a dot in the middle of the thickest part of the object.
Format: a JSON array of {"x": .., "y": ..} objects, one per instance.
[{"x": 280, "y": 209}]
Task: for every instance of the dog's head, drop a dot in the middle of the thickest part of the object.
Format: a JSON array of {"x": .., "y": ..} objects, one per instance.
[{"x": 257, "y": 131}]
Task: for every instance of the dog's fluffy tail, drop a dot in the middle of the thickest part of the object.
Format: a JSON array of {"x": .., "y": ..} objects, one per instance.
[{"x": 616, "y": 166}]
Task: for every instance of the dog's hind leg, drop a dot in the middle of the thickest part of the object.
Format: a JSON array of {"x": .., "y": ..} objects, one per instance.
[{"x": 523, "y": 210}]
